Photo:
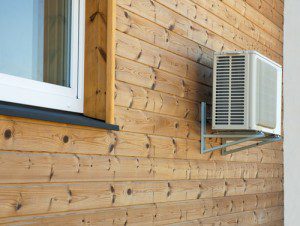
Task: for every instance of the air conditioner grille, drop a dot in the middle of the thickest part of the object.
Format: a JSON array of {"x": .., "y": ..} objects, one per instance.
[{"x": 230, "y": 90}]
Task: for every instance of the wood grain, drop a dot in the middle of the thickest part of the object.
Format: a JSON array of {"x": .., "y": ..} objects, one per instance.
[
  {"x": 95, "y": 59},
  {"x": 150, "y": 32},
  {"x": 268, "y": 11},
  {"x": 176, "y": 23},
  {"x": 152, "y": 78},
  {"x": 271, "y": 217},
  {"x": 31, "y": 168},
  {"x": 140, "y": 51},
  {"x": 35, "y": 136},
  {"x": 136, "y": 97},
  {"x": 187, "y": 27},
  {"x": 203, "y": 17},
  {"x": 167, "y": 213},
  {"x": 31, "y": 199},
  {"x": 256, "y": 17},
  {"x": 243, "y": 24}
]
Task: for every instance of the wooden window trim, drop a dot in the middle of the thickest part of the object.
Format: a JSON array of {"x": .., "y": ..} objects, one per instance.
[
  {"x": 111, "y": 61},
  {"x": 100, "y": 60}
]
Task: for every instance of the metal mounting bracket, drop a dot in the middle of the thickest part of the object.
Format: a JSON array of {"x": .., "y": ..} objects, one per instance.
[{"x": 237, "y": 137}]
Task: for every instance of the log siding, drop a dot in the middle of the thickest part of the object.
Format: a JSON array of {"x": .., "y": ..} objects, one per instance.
[{"x": 150, "y": 172}]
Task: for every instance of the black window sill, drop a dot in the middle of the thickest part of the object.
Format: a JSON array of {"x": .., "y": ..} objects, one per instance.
[{"x": 25, "y": 111}]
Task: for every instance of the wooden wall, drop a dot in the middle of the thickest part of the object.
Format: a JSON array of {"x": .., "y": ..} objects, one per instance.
[{"x": 151, "y": 172}]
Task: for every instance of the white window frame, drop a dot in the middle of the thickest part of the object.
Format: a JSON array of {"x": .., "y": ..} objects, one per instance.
[{"x": 35, "y": 93}]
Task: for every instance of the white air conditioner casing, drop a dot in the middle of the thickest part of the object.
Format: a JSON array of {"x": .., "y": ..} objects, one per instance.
[{"x": 247, "y": 90}]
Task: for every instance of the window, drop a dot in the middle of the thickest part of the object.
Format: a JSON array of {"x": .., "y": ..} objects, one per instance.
[{"x": 41, "y": 53}]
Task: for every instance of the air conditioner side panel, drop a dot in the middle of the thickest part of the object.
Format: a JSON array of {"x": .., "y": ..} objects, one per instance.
[{"x": 256, "y": 83}]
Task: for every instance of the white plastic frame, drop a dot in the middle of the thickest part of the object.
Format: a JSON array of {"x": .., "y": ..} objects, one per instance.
[{"x": 30, "y": 92}]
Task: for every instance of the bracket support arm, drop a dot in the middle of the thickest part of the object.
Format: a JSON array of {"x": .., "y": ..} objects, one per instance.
[{"x": 264, "y": 138}]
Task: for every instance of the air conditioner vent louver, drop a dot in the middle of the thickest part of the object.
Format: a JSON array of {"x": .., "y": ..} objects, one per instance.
[
  {"x": 230, "y": 90},
  {"x": 237, "y": 111},
  {"x": 222, "y": 90}
]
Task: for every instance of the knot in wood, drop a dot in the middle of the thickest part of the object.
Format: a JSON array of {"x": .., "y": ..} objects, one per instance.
[
  {"x": 65, "y": 139},
  {"x": 7, "y": 134},
  {"x": 129, "y": 191}
]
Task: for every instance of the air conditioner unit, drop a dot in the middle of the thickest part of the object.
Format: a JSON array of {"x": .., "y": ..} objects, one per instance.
[{"x": 247, "y": 90}]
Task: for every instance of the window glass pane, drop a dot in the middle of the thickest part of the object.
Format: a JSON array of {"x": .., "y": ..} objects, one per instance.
[
  {"x": 35, "y": 39},
  {"x": 57, "y": 30}
]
